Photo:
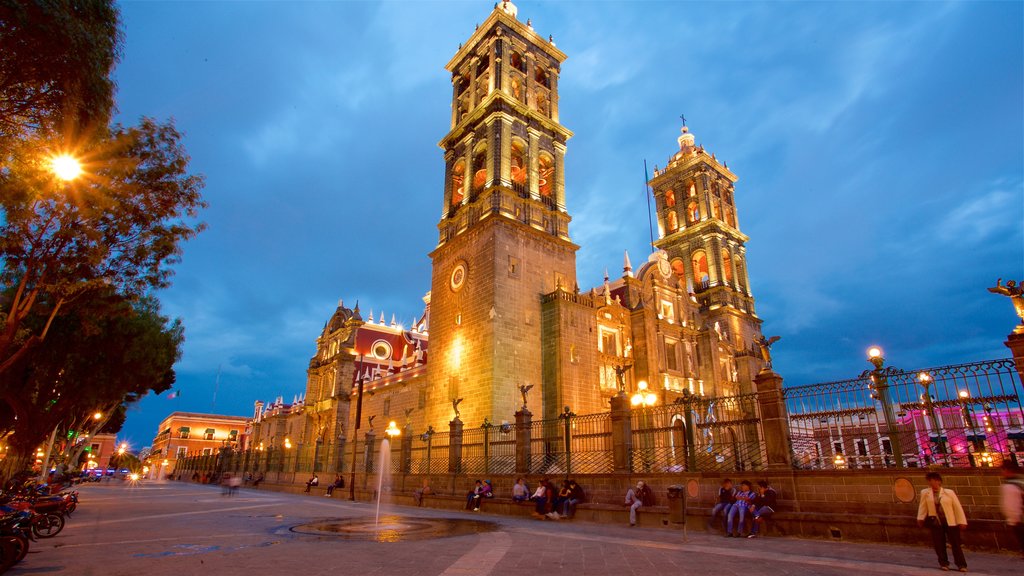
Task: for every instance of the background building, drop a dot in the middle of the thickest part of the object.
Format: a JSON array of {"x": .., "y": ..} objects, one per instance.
[{"x": 190, "y": 433}]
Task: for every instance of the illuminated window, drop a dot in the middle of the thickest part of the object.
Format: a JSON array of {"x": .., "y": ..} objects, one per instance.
[
  {"x": 207, "y": 451},
  {"x": 542, "y": 77},
  {"x": 700, "y": 268},
  {"x": 670, "y": 198},
  {"x": 381, "y": 350},
  {"x": 479, "y": 168},
  {"x": 208, "y": 435},
  {"x": 668, "y": 311},
  {"x": 182, "y": 451},
  {"x": 672, "y": 355},
  {"x": 183, "y": 432},
  {"x": 693, "y": 189},
  {"x": 727, "y": 266},
  {"x": 518, "y": 62},
  {"x": 519, "y": 165},
  {"x": 692, "y": 212},
  {"x": 546, "y": 169},
  {"x": 672, "y": 221},
  {"x": 233, "y": 435},
  {"x": 608, "y": 341},
  {"x": 458, "y": 182}
]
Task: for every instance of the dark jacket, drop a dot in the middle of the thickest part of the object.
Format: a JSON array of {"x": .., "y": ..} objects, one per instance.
[
  {"x": 726, "y": 495},
  {"x": 767, "y": 499}
]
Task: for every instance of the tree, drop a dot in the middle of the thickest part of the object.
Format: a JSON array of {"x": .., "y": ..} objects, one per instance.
[
  {"x": 103, "y": 357},
  {"x": 56, "y": 58},
  {"x": 120, "y": 226}
]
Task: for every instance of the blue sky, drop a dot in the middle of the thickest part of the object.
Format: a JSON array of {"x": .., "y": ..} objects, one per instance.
[{"x": 880, "y": 149}]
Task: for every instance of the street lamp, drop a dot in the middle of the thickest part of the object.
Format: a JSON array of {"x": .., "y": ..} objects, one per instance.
[
  {"x": 925, "y": 380},
  {"x": 355, "y": 432},
  {"x": 97, "y": 416},
  {"x": 392, "y": 430},
  {"x": 965, "y": 410},
  {"x": 66, "y": 167},
  {"x": 643, "y": 397},
  {"x": 880, "y": 386}
]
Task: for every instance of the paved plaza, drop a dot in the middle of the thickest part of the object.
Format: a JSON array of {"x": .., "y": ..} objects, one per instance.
[{"x": 181, "y": 529}]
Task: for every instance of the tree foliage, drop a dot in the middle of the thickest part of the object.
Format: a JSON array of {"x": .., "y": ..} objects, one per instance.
[
  {"x": 56, "y": 57},
  {"x": 105, "y": 355}
]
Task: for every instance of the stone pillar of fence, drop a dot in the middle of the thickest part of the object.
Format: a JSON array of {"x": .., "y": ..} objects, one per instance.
[
  {"x": 405, "y": 464},
  {"x": 622, "y": 433},
  {"x": 774, "y": 420},
  {"x": 524, "y": 423},
  {"x": 1015, "y": 342},
  {"x": 455, "y": 446}
]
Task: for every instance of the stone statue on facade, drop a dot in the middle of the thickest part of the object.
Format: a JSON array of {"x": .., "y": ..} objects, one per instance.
[
  {"x": 455, "y": 406},
  {"x": 524, "y": 390},
  {"x": 1015, "y": 292},
  {"x": 765, "y": 345}
]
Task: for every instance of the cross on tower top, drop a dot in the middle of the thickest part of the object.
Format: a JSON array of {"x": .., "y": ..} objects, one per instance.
[{"x": 683, "y": 118}]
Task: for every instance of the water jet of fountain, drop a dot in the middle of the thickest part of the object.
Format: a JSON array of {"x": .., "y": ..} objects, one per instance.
[{"x": 383, "y": 467}]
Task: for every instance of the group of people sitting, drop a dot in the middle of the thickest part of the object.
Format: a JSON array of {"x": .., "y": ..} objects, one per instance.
[
  {"x": 550, "y": 502},
  {"x": 314, "y": 480},
  {"x": 736, "y": 505}
]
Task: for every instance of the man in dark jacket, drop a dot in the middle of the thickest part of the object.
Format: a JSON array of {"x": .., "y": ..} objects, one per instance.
[{"x": 763, "y": 505}]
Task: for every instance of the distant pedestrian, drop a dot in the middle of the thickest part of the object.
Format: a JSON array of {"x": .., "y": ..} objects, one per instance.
[
  {"x": 233, "y": 484},
  {"x": 1012, "y": 501},
  {"x": 225, "y": 485},
  {"x": 637, "y": 498},
  {"x": 541, "y": 497},
  {"x": 762, "y": 506},
  {"x": 256, "y": 482},
  {"x": 726, "y": 498},
  {"x": 941, "y": 512},
  {"x": 314, "y": 481}
]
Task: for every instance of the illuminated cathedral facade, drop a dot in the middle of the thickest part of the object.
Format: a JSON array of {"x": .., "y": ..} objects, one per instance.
[{"x": 504, "y": 308}]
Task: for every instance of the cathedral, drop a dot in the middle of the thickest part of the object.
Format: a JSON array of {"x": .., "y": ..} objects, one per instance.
[{"x": 504, "y": 310}]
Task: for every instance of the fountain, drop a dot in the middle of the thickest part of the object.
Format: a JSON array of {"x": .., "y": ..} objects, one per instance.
[{"x": 393, "y": 528}]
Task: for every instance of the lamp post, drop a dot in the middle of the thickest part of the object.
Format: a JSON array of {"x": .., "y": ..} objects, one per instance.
[
  {"x": 426, "y": 437},
  {"x": 355, "y": 433},
  {"x": 566, "y": 417},
  {"x": 644, "y": 398},
  {"x": 880, "y": 386},
  {"x": 965, "y": 410},
  {"x": 925, "y": 380}
]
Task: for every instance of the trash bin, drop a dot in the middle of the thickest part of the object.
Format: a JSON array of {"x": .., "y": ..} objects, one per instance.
[{"x": 677, "y": 504}]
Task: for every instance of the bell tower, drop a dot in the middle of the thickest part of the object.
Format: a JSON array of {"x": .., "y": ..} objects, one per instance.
[
  {"x": 698, "y": 228},
  {"x": 504, "y": 230}
]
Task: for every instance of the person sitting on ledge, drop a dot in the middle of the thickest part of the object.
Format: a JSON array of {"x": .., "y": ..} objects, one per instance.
[
  {"x": 421, "y": 492},
  {"x": 541, "y": 498},
  {"x": 520, "y": 491},
  {"x": 726, "y": 498},
  {"x": 738, "y": 512},
  {"x": 473, "y": 496},
  {"x": 763, "y": 505},
  {"x": 314, "y": 481},
  {"x": 637, "y": 498},
  {"x": 575, "y": 496},
  {"x": 339, "y": 482}
]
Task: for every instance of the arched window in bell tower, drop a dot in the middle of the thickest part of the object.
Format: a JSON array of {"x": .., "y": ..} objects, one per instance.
[
  {"x": 701, "y": 277},
  {"x": 692, "y": 212},
  {"x": 546, "y": 173},
  {"x": 520, "y": 166},
  {"x": 672, "y": 221},
  {"x": 741, "y": 273},
  {"x": 693, "y": 189},
  {"x": 479, "y": 168},
  {"x": 458, "y": 182},
  {"x": 670, "y": 198},
  {"x": 518, "y": 62},
  {"x": 727, "y": 266},
  {"x": 542, "y": 77}
]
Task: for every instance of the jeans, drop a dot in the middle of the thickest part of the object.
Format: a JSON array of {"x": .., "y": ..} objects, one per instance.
[
  {"x": 738, "y": 511},
  {"x": 542, "y": 505},
  {"x": 723, "y": 508},
  {"x": 940, "y": 533},
  {"x": 634, "y": 503},
  {"x": 762, "y": 512},
  {"x": 569, "y": 507}
]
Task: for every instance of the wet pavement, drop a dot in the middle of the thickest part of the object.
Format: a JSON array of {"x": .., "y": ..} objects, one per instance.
[{"x": 180, "y": 529}]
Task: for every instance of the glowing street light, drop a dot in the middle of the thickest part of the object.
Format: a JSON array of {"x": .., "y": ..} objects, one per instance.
[
  {"x": 287, "y": 443},
  {"x": 392, "y": 429},
  {"x": 880, "y": 391},
  {"x": 643, "y": 397},
  {"x": 97, "y": 416},
  {"x": 66, "y": 167}
]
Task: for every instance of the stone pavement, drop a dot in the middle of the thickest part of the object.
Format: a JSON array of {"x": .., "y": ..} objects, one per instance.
[{"x": 184, "y": 529}]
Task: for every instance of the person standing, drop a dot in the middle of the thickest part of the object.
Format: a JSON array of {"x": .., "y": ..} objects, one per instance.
[
  {"x": 1012, "y": 500},
  {"x": 941, "y": 512}
]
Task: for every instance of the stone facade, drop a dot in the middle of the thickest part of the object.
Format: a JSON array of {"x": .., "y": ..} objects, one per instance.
[{"x": 505, "y": 309}]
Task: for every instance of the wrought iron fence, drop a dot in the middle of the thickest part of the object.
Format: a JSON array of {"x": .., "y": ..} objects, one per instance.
[
  {"x": 955, "y": 416},
  {"x": 698, "y": 434}
]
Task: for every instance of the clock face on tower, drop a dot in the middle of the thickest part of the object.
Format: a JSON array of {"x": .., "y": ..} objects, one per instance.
[{"x": 458, "y": 277}]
